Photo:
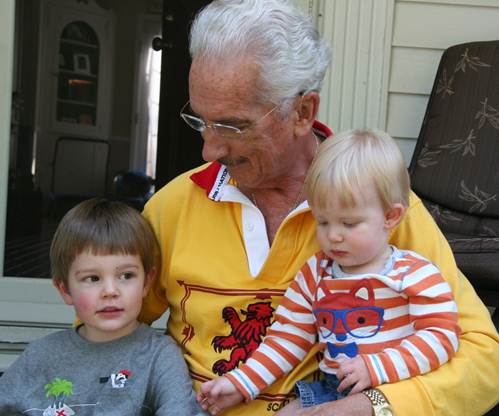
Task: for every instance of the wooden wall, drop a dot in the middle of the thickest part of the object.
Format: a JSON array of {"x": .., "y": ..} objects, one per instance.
[{"x": 385, "y": 56}]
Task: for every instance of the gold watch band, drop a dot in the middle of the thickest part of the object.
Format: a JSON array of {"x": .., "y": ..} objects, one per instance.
[{"x": 381, "y": 407}]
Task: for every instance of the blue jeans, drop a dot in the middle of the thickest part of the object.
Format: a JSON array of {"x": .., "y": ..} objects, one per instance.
[{"x": 317, "y": 392}]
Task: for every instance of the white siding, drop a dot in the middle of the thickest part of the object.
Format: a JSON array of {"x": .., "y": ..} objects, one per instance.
[
  {"x": 422, "y": 30},
  {"x": 385, "y": 56},
  {"x": 353, "y": 93}
]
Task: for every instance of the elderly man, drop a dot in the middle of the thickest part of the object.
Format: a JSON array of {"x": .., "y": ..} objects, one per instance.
[{"x": 234, "y": 232}]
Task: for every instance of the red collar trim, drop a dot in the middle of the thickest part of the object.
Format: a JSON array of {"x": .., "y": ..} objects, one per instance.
[
  {"x": 206, "y": 178},
  {"x": 215, "y": 176}
]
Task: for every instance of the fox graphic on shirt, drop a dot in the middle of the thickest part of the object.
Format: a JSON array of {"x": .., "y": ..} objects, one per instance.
[{"x": 341, "y": 318}]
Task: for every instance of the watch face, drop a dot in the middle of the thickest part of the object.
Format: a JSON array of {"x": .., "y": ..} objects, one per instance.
[{"x": 385, "y": 412}]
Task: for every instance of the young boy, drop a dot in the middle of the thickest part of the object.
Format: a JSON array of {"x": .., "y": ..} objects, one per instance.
[
  {"x": 381, "y": 314},
  {"x": 103, "y": 262}
]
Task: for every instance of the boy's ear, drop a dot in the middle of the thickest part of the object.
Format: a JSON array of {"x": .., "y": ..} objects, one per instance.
[
  {"x": 63, "y": 290},
  {"x": 150, "y": 277},
  {"x": 308, "y": 105},
  {"x": 393, "y": 215}
]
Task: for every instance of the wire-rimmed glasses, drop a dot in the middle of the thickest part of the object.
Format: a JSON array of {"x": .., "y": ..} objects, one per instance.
[{"x": 222, "y": 130}]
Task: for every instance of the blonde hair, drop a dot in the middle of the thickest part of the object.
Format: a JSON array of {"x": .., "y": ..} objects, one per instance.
[
  {"x": 351, "y": 160},
  {"x": 102, "y": 227}
]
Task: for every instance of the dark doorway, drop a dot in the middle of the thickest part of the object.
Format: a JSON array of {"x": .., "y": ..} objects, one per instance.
[
  {"x": 179, "y": 147},
  {"x": 76, "y": 144}
]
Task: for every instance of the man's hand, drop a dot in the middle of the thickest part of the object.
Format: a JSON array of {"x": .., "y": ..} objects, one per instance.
[
  {"x": 354, "y": 373},
  {"x": 355, "y": 405},
  {"x": 218, "y": 394}
]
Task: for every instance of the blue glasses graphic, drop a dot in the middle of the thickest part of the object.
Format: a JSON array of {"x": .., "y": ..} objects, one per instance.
[{"x": 361, "y": 322}]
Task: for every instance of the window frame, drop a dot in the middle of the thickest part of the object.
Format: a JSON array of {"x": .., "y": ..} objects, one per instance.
[{"x": 26, "y": 301}]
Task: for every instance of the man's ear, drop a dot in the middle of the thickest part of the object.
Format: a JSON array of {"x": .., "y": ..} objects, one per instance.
[
  {"x": 150, "y": 277},
  {"x": 63, "y": 290},
  {"x": 306, "y": 111},
  {"x": 393, "y": 215}
]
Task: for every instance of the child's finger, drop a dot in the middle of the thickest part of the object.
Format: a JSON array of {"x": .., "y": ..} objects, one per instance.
[
  {"x": 206, "y": 387},
  {"x": 359, "y": 386},
  {"x": 345, "y": 368},
  {"x": 203, "y": 401},
  {"x": 199, "y": 397},
  {"x": 214, "y": 410},
  {"x": 347, "y": 381},
  {"x": 216, "y": 391}
]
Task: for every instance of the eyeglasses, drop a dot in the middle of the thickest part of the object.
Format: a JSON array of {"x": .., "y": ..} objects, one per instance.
[
  {"x": 361, "y": 322},
  {"x": 221, "y": 130}
]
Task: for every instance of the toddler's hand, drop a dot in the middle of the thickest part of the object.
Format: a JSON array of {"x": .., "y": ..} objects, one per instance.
[
  {"x": 218, "y": 394},
  {"x": 354, "y": 373}
]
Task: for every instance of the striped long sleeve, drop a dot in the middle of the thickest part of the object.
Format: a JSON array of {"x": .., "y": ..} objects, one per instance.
[
  {"x": 432, "y": 317},
  {"x": 287, "y": 341},
  {"x": 418, "y": 331}
]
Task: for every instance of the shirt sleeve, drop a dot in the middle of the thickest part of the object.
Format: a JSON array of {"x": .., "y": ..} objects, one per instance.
[
  {"x": 287, "y": 342},
  {"x": 155, "y": 303},
  {"x": 173, "y": 394},
  {"x": 433, "y": 315},
  {"x": 13, "y": 385},
  {"x": 467, "y": 384}
]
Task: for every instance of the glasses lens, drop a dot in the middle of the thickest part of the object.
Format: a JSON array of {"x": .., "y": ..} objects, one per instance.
[
  {"x": 193, "y": 122},
  {"x": 325, "y": 322},
  {"x": 363, "y": 322},
  {"x": 227, "y": 132}
]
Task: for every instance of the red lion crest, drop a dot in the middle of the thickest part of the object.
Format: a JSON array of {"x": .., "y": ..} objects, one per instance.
[{"x": 245, "y": 335}]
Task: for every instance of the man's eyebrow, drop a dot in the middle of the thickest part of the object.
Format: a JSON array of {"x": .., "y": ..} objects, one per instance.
[{"x": 236, "y": 121}]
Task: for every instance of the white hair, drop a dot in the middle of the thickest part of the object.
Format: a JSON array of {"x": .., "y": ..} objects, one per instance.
[{"x": 279, "y": 38}]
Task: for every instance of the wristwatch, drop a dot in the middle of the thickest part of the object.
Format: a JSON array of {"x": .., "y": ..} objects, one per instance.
[{"x": 381, "y": 407}]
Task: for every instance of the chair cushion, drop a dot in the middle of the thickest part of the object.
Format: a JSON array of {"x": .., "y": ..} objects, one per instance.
[
  {"x": 455, "y": 163},
  {"x": 453, "y": 222},
  {"x": 474, "y": 244}
]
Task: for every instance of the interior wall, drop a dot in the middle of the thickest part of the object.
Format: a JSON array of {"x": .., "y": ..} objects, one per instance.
[
  {"x": 6, "y": 57},
  {"x": 126, "y": 53},
  {"x": 24, "y": 86}
]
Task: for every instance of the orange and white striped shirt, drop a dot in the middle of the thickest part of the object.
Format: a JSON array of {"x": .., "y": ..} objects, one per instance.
[{"x": 402, "y": 322}]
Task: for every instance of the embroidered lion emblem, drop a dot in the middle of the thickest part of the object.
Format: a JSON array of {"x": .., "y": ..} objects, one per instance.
[{"x": 245, "y": 335}]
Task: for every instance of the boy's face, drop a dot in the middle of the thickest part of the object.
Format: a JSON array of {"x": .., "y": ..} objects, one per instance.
[
  {"x": 357, "y": 237},
  {"x": 107, "y": 293}
]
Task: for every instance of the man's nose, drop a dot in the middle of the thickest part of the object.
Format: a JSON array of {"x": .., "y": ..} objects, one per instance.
[{"x": 214, "y": 147}]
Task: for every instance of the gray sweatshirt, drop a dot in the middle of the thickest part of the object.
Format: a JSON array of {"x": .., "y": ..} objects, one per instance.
[{"x": 63, "y": 374}]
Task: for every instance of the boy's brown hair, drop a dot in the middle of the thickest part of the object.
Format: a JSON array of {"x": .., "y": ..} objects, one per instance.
[{"x": 102, "y": 227}]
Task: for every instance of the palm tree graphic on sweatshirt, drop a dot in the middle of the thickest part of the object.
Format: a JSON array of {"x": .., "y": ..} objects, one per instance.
[{"x": 59, "y": 389}]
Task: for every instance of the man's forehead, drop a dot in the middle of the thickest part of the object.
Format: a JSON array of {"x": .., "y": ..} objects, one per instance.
[
  {"x": 236, "y": 75},
  {"x": 216, "y": 90}
]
